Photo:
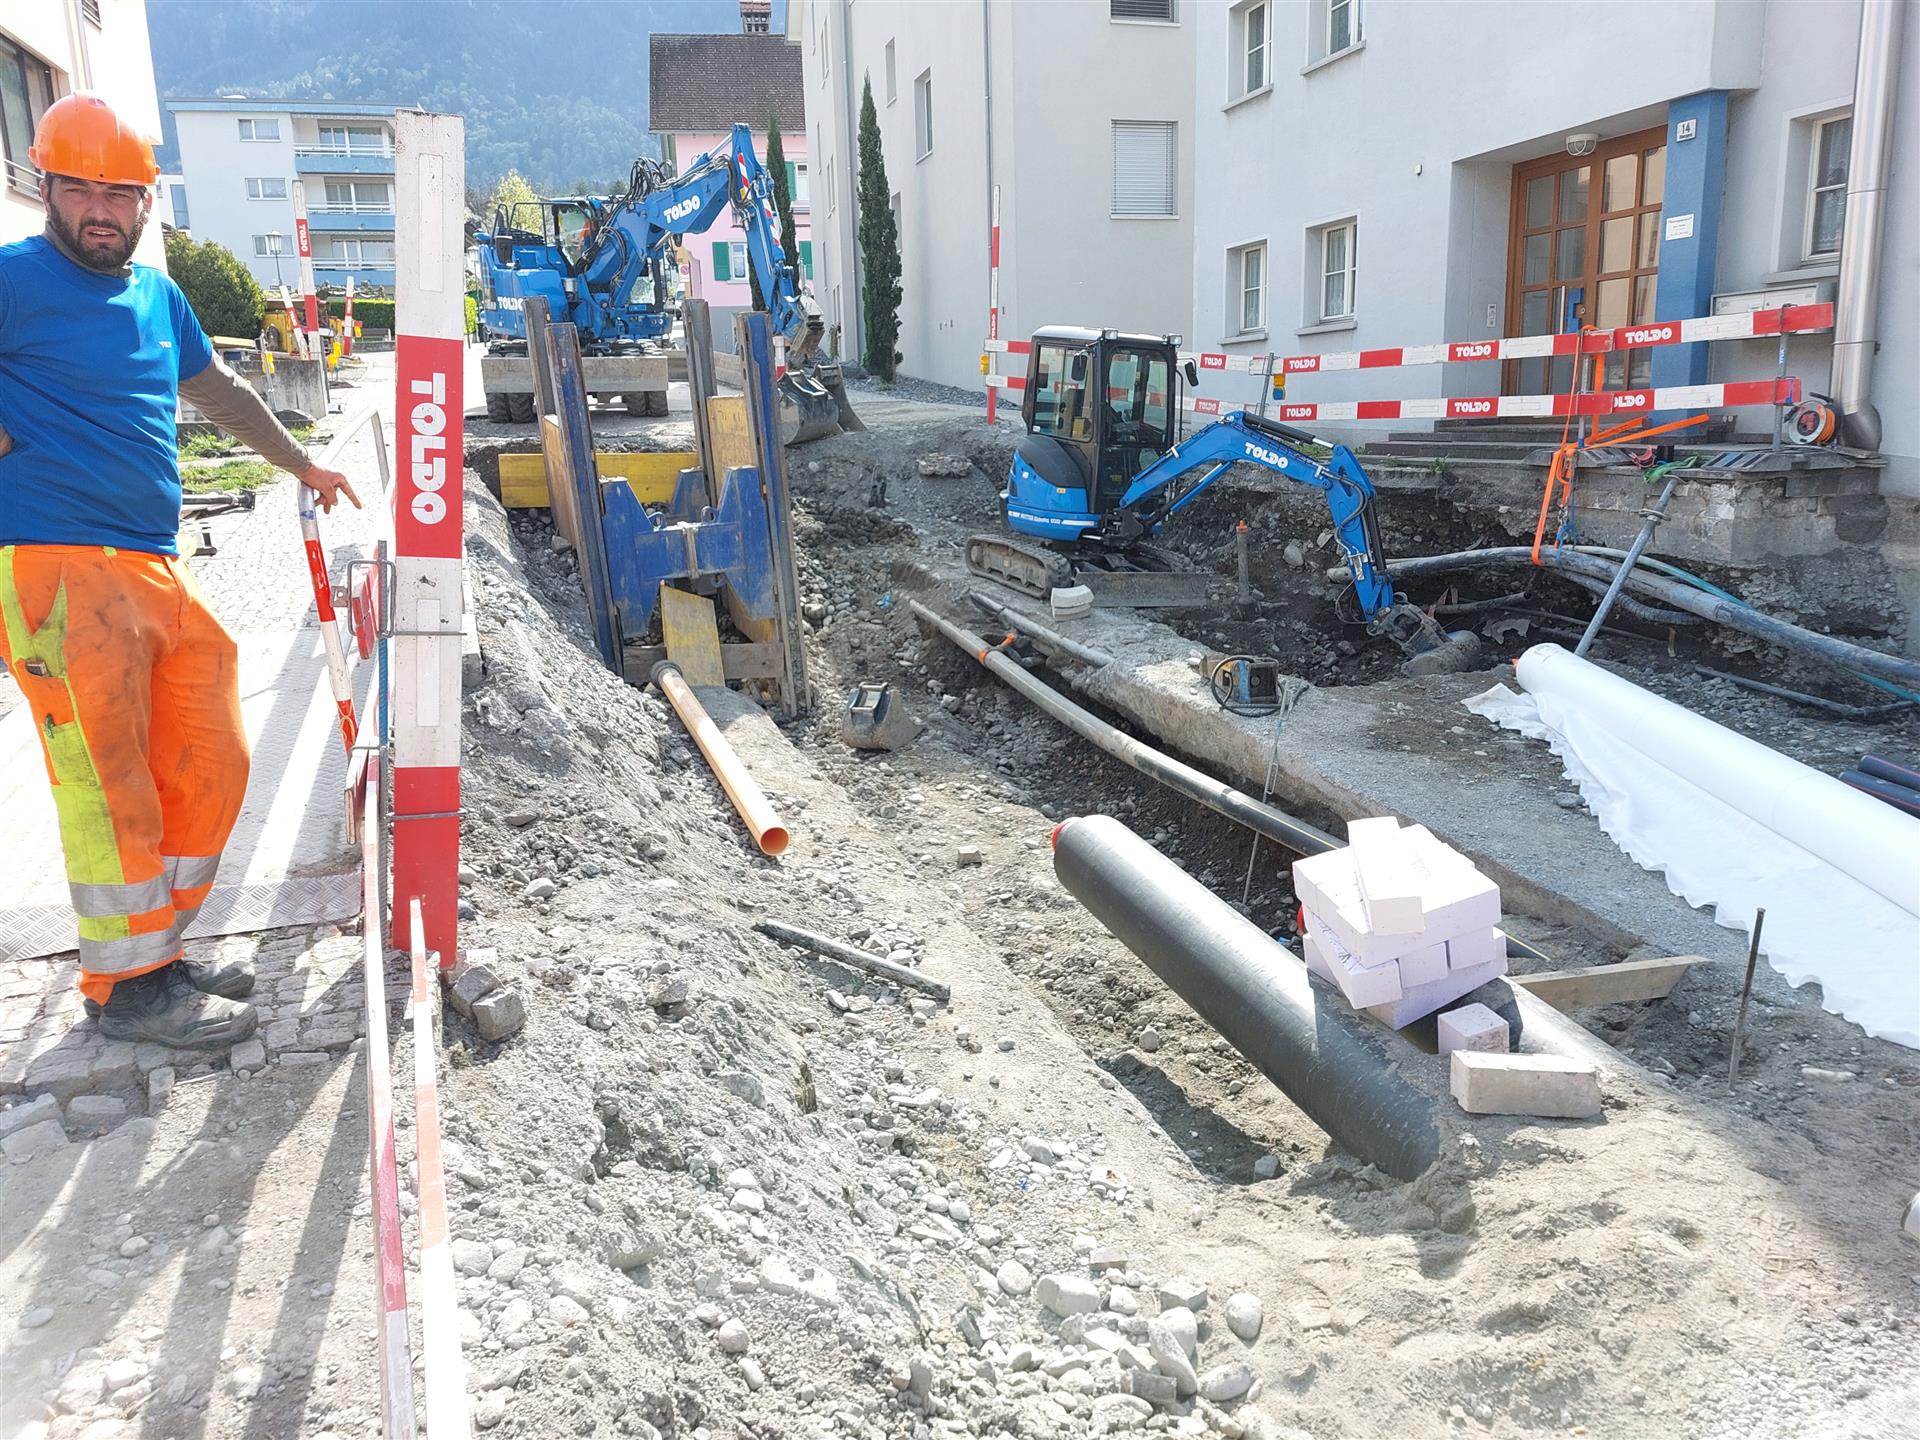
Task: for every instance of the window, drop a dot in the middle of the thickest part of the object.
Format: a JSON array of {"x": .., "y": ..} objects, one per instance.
[
  {"x": 799, "y": 187},
  {"x": 1164, "y": 12},
  {"x": 1337, "y": 270},
  {"x": 266, "y": 187},
  {"x": 1144, "y": 152},
  {"x": 892, "y": 89},
  {"x": 1059, "y": 394},
  {"x": 347, "y": 252},
  {"x": 830, "y": 190},
  {"x": 358, "y": 195},
  {"x": 1827, "y": 193},
  {"x": 273, "y": 243},
  {"x": 1247, "y": 289},
  {"x": 177, "y": 199},
  {"x": 1248, "y": 28},
  {"x": 259, "y": 129},
  {"x": 923, "y": 115},
  {"x": 91, "y": 10},
  {"x": 1343, "y": 25},
  {"x": 737, "y": 259},
  {"x": 26, "y": 90}
]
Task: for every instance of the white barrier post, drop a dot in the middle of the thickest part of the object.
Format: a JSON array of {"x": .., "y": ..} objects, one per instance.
[
  {"x": 430, "y": 171},
  {"x": 303, "y": 242}
]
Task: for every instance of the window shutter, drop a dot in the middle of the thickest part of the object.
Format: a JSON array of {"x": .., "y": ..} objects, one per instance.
[
  {"x": 1143, "y": 10},
  {"x": 806, "y": 258},
  {"x": 1143, "y": 167},
  {"x": 791, "y": 181},
  {"x": 721, "y": 270}
]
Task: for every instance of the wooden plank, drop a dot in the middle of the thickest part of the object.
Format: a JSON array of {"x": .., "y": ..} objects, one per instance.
[
  {"x": 651, "y": 475},
  {"x": 692, "y": 636},
  {"x": 738, "y": 661},
  {"x": 730, "y": 435},
  {"x": 1587, "y": 985}
]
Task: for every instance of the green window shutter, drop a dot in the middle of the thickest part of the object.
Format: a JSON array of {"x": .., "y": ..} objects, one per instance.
[
  {"x": 721, "y": 271},
  {"x": 791, "y": 177},
  {"x": 806, "y": 258}
]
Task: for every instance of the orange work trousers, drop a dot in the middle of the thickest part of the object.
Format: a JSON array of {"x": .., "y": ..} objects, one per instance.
[{"x": 134, "y": 690}]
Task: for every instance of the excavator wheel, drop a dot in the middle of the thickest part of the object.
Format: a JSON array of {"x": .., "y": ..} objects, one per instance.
[
  {"x": 657, "y": 404},
  {"x": 636, "y": 403},
  {"x": 520, "y": 407},
  {"x": 499, "y": 409}
]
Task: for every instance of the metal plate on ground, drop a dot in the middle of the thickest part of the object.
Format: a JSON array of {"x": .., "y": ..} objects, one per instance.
[{"x": 288, "y": 862}]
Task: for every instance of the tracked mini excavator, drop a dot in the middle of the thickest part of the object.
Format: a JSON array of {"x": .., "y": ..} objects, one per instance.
[{"x": 1101, "y": 472}]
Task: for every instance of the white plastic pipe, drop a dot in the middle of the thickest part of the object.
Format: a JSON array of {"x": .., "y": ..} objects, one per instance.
[{"x": 1856, "y": 834}]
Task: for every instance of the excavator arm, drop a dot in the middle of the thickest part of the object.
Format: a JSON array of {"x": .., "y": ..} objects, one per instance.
[{"x": 1242, "y": 438}]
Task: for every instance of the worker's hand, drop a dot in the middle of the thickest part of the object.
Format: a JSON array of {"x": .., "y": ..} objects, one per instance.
[{"x": 329, "y": 485}]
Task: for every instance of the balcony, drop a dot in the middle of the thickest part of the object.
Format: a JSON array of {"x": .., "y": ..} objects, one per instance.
[
  {"x": 339, "y": 160},
  {"x": 323, "y": 219},
  {"x": 366, "y": 275}
]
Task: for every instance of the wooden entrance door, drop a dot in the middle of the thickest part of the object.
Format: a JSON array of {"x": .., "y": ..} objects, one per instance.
[{"x": 1585, "y": 250}]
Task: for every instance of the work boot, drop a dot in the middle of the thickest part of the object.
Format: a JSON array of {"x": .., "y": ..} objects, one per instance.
[
  {"x": 230, "y": 978},
  {"x": 164, "y": 1007}
]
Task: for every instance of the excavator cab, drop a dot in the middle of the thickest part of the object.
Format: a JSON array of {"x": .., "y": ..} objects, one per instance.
[{"x": 1099, "y": 407}]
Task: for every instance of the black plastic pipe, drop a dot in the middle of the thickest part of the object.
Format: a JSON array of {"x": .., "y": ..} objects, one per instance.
[
  {"x": 1046, "y": 639},
  {"x": 1331, "y": 1062},
  {"x": 1891, "y": 771},
  {"x": 1276, "y": 825},
  {"x": 1898, "y": 796},
  {"x": 1730, "y": 613}
]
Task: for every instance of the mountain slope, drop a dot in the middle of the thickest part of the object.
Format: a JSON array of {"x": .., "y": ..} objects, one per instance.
[{"x": 513, "y": 69}]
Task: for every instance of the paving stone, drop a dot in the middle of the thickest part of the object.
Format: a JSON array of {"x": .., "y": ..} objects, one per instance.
[
  {"x": 1182, "y": 1292},
  {"x": 499, "y": 1015},
  {"x": 96, "y": 1113},
  {"x": 23, "y": 1145},
  {"x": 1550, "y": 1086},
  {"x": 248, "y": 1056},
  {"x": 471, "y": 981},
  {"x": 41, "y": 1107},
  {"x": 62, "y": 1073},
  {"x": 281, "y": 1034},
  {"x": 1068, "y": 1294},
  {"x": 1472, "y": 1027},
  {"x": 159, "y": 1086}
]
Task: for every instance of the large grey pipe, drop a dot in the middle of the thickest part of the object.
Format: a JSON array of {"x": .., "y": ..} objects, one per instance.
[
  {"x": 1276, "y": 825},
  {"x": 1330, "y": 1062},
  {"x": 1875, "y": 73}
]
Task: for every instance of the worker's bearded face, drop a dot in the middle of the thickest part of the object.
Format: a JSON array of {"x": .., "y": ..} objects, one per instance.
[{"x": 100, "y": 224}]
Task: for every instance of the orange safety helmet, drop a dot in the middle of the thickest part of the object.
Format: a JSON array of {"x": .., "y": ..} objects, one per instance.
[{"x": 81, "y": 135}]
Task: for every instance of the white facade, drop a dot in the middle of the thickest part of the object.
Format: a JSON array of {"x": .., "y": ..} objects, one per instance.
[
  {"x": 54, "y": 48},
  {"x": 1412, "y": 133},
  {"x": 1070, "y": 84},
  {"x": 241, "y": 160}
]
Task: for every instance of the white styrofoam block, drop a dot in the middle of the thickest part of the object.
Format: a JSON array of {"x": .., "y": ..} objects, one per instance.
[
  {"x": 1069, "y": 602},
  {"x": 1316, "y": 962},
  {"x": 1472, "y": 1027},
  {"x": 1454, "y": 895},
  {"x": 1477, "y": 947},
  {"x": 1551, "y": 1086},
  {"x": 1424, "y": 966},
  {"x": 1389, "y": 891},
  {"x": 1363, "y": 985},
  {"x": 1462, "y": 900},
  {"x": 1425, "y": 999}
]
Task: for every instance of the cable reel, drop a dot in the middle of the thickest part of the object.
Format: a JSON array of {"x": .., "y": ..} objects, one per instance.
[{"x": 1814, "y": 421}]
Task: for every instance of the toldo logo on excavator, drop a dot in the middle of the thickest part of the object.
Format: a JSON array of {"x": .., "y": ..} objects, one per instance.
[
  {"x": 1261, "y": 453},
  {"x": 427, "y": 447},
  {"x": 684, "y": 207}
]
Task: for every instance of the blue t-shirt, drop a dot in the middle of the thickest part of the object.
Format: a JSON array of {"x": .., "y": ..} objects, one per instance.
[{"x": 90, "y": 370}]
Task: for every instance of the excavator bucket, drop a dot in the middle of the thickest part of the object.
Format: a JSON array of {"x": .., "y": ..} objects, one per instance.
[{"x": 813, "y": 405}]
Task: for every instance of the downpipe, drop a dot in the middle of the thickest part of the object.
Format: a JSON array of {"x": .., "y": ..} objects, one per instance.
[{"x": 1875, "y": 75}]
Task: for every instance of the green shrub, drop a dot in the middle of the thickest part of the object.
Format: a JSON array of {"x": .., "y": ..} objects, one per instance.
[{"x": 225, "y": 297}]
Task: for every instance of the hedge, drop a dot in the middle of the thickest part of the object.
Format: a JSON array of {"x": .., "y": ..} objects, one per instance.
[{"x": 379, "y": 313}]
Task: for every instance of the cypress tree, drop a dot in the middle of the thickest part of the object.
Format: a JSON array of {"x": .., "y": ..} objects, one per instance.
[
  {"x": 783, "y": 197},
  {"x": 879, "y": 245}
]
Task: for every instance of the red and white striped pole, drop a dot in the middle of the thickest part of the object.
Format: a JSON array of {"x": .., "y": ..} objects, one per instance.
[
  {"x": 445, "y": 1369},
  {"x": 346, "y": 327},
  {"x": 303, "y": 241},
  {"x": 430, "y": 172},
  {"x": 298, "y": 337},
  {"x": 993, "y": 296}
]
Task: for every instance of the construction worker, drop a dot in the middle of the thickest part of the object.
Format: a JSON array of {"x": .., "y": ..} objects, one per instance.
[{"x": 132, "y": 683}]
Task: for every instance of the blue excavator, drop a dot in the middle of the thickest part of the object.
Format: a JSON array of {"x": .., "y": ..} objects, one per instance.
[
  {"x": 1101, "y": 472},
  {"x": 603, "y": 263}
]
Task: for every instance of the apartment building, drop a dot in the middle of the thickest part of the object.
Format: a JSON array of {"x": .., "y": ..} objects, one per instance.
[
  {"x": 1079, "y": 113},
  {"x": 1607, "y": 164},
  {"x": 700, "y": 86},
  {"x": 240, "y": 160},
  {"x": 51, "y": 49}
]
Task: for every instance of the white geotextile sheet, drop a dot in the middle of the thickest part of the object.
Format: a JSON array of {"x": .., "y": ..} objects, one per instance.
[{"x": 1699, "y": 803}]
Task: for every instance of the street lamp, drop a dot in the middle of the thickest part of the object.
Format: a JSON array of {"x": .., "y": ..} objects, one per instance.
[{"x": 275, "y": 243}]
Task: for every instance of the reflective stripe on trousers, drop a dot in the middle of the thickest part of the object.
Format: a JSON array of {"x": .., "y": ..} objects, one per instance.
[{"x": 134, "y": 691}]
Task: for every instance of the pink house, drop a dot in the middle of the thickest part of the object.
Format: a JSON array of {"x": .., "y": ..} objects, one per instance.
[{"x": 700, "y": 87}]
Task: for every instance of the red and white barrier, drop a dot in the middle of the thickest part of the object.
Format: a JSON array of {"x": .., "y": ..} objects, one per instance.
[
  {"x": 1785, "y": 391},
  {"x": 993, "y": 296},
  {"x": 303, "y": 242},
  {"x": 447, "y": 1414},
  {"x": 390, "y": 1265},
  {"x": 346, "y": 325},
  {"x": 297, "y": 338},
  {"x": 430, "y": 171}
]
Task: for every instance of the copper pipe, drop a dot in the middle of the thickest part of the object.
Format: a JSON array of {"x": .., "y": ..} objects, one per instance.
[{"x": 755, "y": 810}]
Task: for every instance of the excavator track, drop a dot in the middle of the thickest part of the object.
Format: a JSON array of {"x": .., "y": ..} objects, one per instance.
[{"x": 1165, "y": 582}]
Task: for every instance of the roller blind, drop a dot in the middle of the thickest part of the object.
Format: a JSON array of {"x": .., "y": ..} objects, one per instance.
[
  {"x": 721, "y": 269},
  {"x": 1143, "y": 167}
]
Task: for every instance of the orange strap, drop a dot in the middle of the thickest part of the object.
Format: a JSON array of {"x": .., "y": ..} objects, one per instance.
[{"x": 1622, "y": 433}]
